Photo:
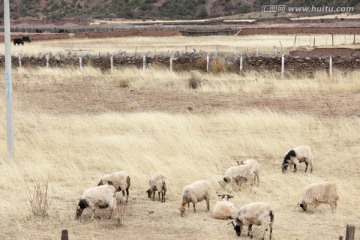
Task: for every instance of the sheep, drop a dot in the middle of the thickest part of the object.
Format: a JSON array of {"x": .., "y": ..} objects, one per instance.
[
  {"x": 316, "y": 193},
  {"x": 258, "y": 213},
  {"x": 297, "y": 155},
  {"x": 157, "y": 182},
  {"x": 97, "y": 197},
  {"x": 120, "y": 180},
  {"x": 238, "y": 174},
  {"x": 224, "y": 209},
  {"x": 195, "y": 192},
  {"x": 255, "y": 168}
]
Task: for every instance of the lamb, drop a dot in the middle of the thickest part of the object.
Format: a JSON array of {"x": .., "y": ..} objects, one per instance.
[
  {"x": 297, "y": 155},
  {"x": 224, "y": 209},
  {"x": 195, "y": 192},
  {"x": 97, "y": 197},
  {"x": 239, "y": 173},
  {"x": 157, "y": 182},
  {"x": 120, "y": 180},
  {"x": 255, "y": 168},
  {"x": 316, "y": 193},
  {"x": 258, "y": 213}
]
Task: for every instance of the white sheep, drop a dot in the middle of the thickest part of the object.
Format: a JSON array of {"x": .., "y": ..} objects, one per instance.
[
  {"x": 196, "y": 192},
  {"x": 97, "y": 197},
  {"x": 239, "y": 174},
  {"x": 158, "y": 182},
  {"x": 224, "y": 209},
  {"x": 317, "y": 193},
  {"x": 255, "y": 168},
  {"x": 256, "y": 213},
  {"x": 297, "y": 155},
  {"x": 120, "y": 180}
]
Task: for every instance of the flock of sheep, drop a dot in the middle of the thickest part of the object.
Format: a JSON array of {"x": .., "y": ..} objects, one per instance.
[{"x": 255, "y": 213}]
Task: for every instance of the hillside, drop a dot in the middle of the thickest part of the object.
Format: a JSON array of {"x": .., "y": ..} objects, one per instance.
[{"x": 150, "y": 9}]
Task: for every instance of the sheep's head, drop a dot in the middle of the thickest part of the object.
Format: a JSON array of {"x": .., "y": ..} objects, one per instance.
[
  {"x": 182, "y": 211},
  {"x": 149, "y": 192},
  {"x": 237, "y": 227},
  {"x": 225, "y": 196},
  {"x": 80, "y": 208},
  {"x": 284, "y": 166},
  {"x": 303, "y": 206}
]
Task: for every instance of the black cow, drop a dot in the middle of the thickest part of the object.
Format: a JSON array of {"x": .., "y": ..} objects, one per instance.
[
  {"x": 18, "y": 41},
  {"x": 26, "y": 39}
]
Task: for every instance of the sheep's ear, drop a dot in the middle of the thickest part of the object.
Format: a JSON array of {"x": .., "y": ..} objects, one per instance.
[
  {"x": 110, "y": 183},
  {"x": 230, "y": 196}
]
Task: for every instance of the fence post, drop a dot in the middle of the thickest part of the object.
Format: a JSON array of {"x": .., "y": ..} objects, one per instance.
[
  {"x": 282, "y": 65},
  {"x": 257, "y": 51},
  {"x": 64, "y": 235},
  {"x": 20, "y": 60},
  {"x": 294, "y": 47},
  {"x": 144, "y": 62},
  {"x": 345, "y": 39},
  {"x": 354, "y": 39},
  {"x": 332, "y": 39},
  {"x": 241, "y": 64},
  {"x": 171, "y": 64},
  {"x": 350, "y": 232},
  {"x": 111, "y": 62},
  {"x": 47, "y": 57},
  {"x": 80, "y": 62},
  {"x": 207, "y": 62},
  {"x": 330, "y": 66}
]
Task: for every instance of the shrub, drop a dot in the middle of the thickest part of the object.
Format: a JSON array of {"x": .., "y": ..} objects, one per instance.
[
  {"x": 194, "y": 81},
  {"x": 38, "y": 199}
]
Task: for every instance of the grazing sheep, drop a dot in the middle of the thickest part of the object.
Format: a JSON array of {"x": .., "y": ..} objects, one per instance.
[
  {"x": 239, "y": 174},
  {"x": 297, "y": 155},
  {"x": 157, "y": 182},
  {"x": 324, "y": 192},
  {"x": 120, "y": 180},
  {"x": 224, "y": 209},
  {"x": 255, "y": 168},
  {"x": 97, "y": 197},
  {"x": 256, "y": 213},
  {"x": 195, "y": 192}
]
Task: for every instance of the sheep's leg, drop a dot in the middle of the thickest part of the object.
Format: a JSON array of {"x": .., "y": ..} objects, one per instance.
[
  {"x": 306, "y": 166},
  {"x": 207, "y": 203},
  {"x": 250, "y": 231},
  {"x": 295, "y": 168},
  {"x": 194, "y": 207},
  {"x": 159, "y": 196},
  {"x": 111, "y": 210},
  {"x": 153, "y": 195},
  {"x": 93, "y": 214},
  {"x": 164, "y": 193},
  {"x": 127, "y": 194}
]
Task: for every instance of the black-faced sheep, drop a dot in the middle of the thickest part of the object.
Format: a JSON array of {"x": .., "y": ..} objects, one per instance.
[
  {"x": 157, "y": 182},
  {"x": 317, "y": 193},
  {"x": 97, "y": 197},
  {"x": 256, "y": 213},
  {"x": 297, "y": 155},
  {"x": 239, "y": 174},
  {"x": 120, "y": 180},
  {"x": 255, "y": 168},
  {"x": 224, "y": 209},
  {"x": 195, "y": 192}
]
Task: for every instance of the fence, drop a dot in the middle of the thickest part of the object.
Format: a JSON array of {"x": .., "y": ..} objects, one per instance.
[{"x": 191, "y": 61}]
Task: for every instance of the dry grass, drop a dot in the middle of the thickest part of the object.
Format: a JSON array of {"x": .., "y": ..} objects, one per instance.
[
  {"x": 73, "y": 151},
  {"x": 266, "y": 44}
]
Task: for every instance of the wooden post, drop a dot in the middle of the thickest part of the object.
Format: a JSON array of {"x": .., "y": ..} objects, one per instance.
[
  {"x": 47, "y": 57},
  {"x": 80, "y": 62},
  {"x": 171, "y": 64},
  {"x": 241, "y": 64},
  {"x": 294, "y": 47},
  {"x": 314, "y": 42},
  {"x": 64, "y": 235},
  {"x": 330, "y": 66},
  {"x": 345, "y": 39},
  {"x": 207, "y": 62},
  {"x": 310, "y": 42},
  {"x": 111, "y": 62},
  {"x": 332, "y": 39},
  {"x": 354, "y": 39},
  {"x": 282, "y": 65},
  {"x": 257, "y": 51},
  {"x": 20, "y": 60},
  {"x": 350, "y": 232},
  {"x": 282, "y": 49},
  {"x": 144, "y": 62}
]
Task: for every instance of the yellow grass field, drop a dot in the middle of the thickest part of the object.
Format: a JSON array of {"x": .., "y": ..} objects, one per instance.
[{"x": 72, "y": 126}]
